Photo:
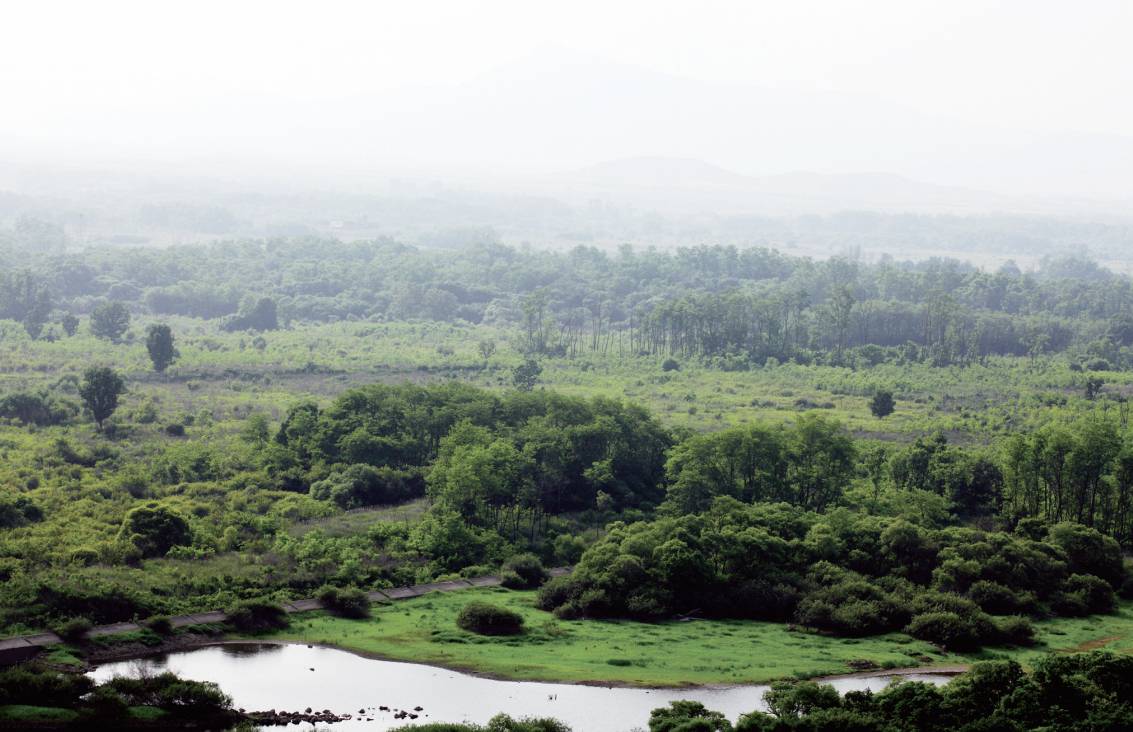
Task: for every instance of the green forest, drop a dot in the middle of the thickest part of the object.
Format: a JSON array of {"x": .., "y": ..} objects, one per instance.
[{"x": 849, "y": 449}]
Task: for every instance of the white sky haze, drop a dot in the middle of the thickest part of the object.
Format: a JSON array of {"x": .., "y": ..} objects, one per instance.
[{"x": 996, "y": 94}]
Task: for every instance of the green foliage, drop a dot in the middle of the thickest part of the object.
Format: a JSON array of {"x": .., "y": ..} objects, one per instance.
[
  {"x": 100, "y": 390},
  {"x": 18, "y": 511},
  {"x": 74, "y": 630},
  {"x": 363, "y": 485},
  {"x": 155, "y": 529},
  {"x": 41, "y": 409},
  {"x": 846, "y": 574},
  {"x": 257, "y": 616},
  {"x": 524, "y": 572},
  {"x": 788, "y": 700},
  {"x": 256, "y": 315},
  {"x": 525, "y": 376},
  {"x": 159, "y": 345},
  {"x": 160, "y": 624},
  {"x": 882, "y": 403},
  {"x": 110, "y": 320},
  {"x": 346, "y": 603},
  {"x": 487, "y": 619},
  {"x": 808, "y": 465},
  {"x": 687, "y": 716}
]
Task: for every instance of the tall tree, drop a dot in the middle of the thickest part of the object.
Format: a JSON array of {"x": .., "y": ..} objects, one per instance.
[
  {"x": 100, "y": 390},
  {"x": 526, "y": 375},
  {"x": 159, "y": 343},
  {"x": 110, "y": 320},
  {"x": 882, "y": 404}
]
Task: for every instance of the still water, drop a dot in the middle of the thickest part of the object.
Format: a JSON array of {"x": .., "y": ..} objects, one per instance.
[{"x": 293, "y": 677}]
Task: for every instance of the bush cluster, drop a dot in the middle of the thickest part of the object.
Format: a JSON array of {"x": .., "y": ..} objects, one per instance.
[
  {"x": 347, "y": 603},
  {"x": 488, "y": 619},
  {"x": 257, "y": 616},
  {"x": 853, "y": 576}
]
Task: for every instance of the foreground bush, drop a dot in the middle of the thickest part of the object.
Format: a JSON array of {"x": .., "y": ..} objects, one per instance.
[
  {"x": 257, "y": 616},
  {"x": 108, "y": 705},
  {"x": 486, "y": 619},
  {"x": 346, "y": 603}
]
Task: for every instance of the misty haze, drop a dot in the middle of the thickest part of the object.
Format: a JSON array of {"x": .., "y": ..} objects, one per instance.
[{"x": 595, "y": 367}]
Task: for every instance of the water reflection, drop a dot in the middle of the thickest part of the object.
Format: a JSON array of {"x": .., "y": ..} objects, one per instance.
[{"x": 293, "y": 677}]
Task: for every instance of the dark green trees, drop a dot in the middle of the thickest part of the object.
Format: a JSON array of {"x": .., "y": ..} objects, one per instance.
[
  {"x": 70, "y": 324},
  {"x": 159, "y": 345},
  {"x": 260, "y": 315},
  {"x": 100, "y": 389},
  {"x": 525, "y": 376},
  {"x": 110, "y": 320},
  {"x": 155, "y": 529},
  {"x": 882, "y": 404},
  {"x": 807, "y": 465}
]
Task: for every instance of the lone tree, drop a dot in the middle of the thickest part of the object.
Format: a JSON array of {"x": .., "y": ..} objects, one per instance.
[
  {"x": 110, "y": 320},
  {"x": 154, "y": 529},
  {"x": 70, "y": 324},
  {"x": 159, "y": 343},
  {"x": 882, "y": 404},
  {"x": 487, "y": 348},
  {"x": 100, "y": 390},
  {"x": 526, "y": 375}
]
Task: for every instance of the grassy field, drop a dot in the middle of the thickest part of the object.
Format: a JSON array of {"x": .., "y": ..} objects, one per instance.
[
  {"x": 423, "y": 630},
  {"x": 222, "y": 374}
]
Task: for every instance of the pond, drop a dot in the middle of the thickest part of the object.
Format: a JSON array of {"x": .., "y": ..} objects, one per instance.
[{"x": 293, "y": 677}]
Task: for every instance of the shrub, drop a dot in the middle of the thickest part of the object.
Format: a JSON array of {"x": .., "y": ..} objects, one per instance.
[
  {"x": 997, "y": 599},
  {"x": 670, "y": 364},
  {"x": 794, "y": 699},
  {"x": 363, "y": 485},
  {"x": 686, "y": 716},
  {"x": 524, "y": 572},
  {"x": 155, "y": 529},
  {"x": 952, "y": 631},
  {"x": 486, "y": 619},
  {"x": 852, "y": 607},
  {"x": 160, "y": 624},
  {"x": 882, "y": 404},
  {"x": 568, "y": 549},
  {"x": 24, "y": 685},
  {"x": 1095, "y": 594},
  {"x": 347, "y": 603},
  {"x": 1016, "y": 630},
  {"x": 74, "y": 630},
  {"x": 257, "y": 616}
]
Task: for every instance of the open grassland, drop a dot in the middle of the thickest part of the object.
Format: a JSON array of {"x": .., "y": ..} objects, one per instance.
[
  {"x": 423, "y": 630},
  {"x": 230, "y": 375}
]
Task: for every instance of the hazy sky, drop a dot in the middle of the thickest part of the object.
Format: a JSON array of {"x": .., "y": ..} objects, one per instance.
[{"x": 110, "y": 81}]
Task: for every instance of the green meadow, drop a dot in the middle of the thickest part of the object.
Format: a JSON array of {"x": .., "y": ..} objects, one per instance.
[{"x": 699, "y": 652}]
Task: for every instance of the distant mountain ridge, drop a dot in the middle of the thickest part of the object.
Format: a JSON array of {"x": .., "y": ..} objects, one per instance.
[{"x": 693, "y": 184}]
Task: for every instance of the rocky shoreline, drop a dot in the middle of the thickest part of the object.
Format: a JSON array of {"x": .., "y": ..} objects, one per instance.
[{"x": 326, "y": 716}]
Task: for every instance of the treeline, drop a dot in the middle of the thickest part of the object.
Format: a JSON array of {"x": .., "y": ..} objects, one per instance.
[
  {"x": 846, "y": 573},
  {"x": 739, "y": 307}
]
